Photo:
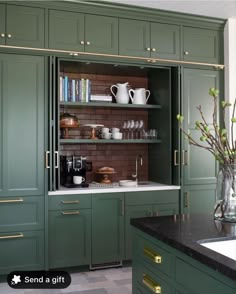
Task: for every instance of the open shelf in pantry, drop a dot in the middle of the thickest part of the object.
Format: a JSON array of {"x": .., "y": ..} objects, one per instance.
[
  {"x": 109, "y": 104},
  {"x": 111, "y": 141}
]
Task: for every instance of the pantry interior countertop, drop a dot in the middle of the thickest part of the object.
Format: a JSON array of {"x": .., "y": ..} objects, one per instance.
[{"x": 113, "y": 188}]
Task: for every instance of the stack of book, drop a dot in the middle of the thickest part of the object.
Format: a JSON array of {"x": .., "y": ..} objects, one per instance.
[
  {"x": 74, "y": 90},
  {"x": 100, "y": 98}
]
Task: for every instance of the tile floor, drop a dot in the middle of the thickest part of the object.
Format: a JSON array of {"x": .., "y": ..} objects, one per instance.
[{"x": 107, "y": 281}]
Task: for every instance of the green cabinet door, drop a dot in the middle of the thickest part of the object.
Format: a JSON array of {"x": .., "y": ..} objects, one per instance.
[
  {"x": 69, "y": 238},
  {"x": 21, "y": 251},
  {"x": 198, "y": 199},
  {"x": 134, "y": 211},
  {"x": 107, "y": 228},
  {"x": 66, "y": 30},
  {"x": 199, "y": 167},
  {"x": 101, "y": 34},
  {"x": 201, "y": 45},
  {"x": 24, "y": 26},
  {"x": 22, "y": 125},
  {"x": 165, "y": 41},
  {"x": 2, "y": 24},
  {"x": 134, "y": 38}
]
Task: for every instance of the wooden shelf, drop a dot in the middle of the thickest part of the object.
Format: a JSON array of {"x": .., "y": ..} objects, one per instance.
[
  {"x": 111, "y": 141},
  {"x": 109, "y": 104}
]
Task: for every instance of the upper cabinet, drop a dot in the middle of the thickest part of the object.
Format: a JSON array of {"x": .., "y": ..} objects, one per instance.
[
  {"x": 148, "y": 39},
  {"x": 201, "y": 45},
  {"x": 83, "y": 32},
  {"x": 21, "y": 26}
]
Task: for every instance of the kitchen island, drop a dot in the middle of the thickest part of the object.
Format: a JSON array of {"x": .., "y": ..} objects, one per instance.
[{"x": 169, "y": 255}]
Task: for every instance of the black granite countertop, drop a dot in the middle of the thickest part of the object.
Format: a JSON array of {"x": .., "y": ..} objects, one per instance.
[{"x": 183, "y": 233}]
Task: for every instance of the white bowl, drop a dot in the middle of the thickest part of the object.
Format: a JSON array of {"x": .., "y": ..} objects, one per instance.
[{"x": 128, "y": 183}]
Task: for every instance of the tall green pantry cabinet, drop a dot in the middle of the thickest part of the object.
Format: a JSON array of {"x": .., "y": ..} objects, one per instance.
[{"x": 21, "y": 162}]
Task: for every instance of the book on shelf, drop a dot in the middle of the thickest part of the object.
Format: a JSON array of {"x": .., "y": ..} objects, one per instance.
[{"x": 100, "y": 98}]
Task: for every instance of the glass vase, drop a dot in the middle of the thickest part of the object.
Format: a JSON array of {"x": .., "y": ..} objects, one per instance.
[{"x": 225, "y": 205}]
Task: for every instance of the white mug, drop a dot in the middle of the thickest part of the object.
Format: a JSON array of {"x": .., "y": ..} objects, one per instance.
[
  {"x": 105, "y": 130},
  {"x": 106, "y": 136},
  {"x": 117, "y": 136},
  {"x": 78, "y": 180}
]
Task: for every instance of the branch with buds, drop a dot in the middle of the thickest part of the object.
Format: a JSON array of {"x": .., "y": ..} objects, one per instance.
[{"x": 217, "y": 139}]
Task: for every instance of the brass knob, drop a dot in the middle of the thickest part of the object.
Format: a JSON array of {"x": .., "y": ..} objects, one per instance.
[
  {"x": 82, "y": 42},
  {"x": 9, "y": 36},
  {"x": 148, "y": 49},
  {"x": 153, "y": 49},
  {"x": 2, "y": 35},
  {"x": 185, "y": 52},
  {"x": 88, "y": 43}
]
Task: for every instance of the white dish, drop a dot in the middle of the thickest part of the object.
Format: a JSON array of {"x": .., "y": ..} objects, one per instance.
[{"x": 128, "y": 183}]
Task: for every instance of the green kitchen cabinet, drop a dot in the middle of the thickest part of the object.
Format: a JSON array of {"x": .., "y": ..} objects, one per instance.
[
  {"x": 21, "y": 214},
  {"x": 148, "y": 39},
  {"x": 146, "y": 204},
  {"x": 199, "y": 198},
  {"x": 21, "y": 251},
  {"x": 107, "y": 228},
  {"x": 199, "y": 166},
  {"x": 22, "y": 127},
  {"x": 201, "y": 45},
  {"x": 21, "y": 26},
  {"x": 69, "y": 238},
  {"x": 83, "y": 32}
]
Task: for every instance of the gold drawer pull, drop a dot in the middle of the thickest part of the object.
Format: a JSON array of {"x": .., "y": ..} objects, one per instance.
[
  {"x": 12, "y": 200},
  {"x": 155, "y": 257},
  {"x": 70, "y": 202},
  {"x": 152, "y": 285},
  {"x": 20, "y": 235},
  {"x": 70, "y": 212}
]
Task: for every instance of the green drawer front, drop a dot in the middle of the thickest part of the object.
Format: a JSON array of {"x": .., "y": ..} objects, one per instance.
[
  {"x": 148, "y": 282},
  {"x": 152, "y": 197},
  {"x": 196, "y": 281},
  {"x": 21, "y": 251},
  {"x": 155, "y": 256},
  {"x": 21, "y": 213},
  {"x": 69, "y": 202}
]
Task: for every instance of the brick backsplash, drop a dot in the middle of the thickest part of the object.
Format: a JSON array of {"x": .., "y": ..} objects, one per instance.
[{"x": 119, "y": 156}]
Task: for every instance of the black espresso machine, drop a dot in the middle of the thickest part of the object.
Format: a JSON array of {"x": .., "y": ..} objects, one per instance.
[{"x": 73, "y": 165}]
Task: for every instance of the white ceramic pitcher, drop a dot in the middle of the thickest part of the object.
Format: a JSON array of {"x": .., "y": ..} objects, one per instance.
[
  {"x": 122, "y": 95},
  {"x": 139, "y": 96}
]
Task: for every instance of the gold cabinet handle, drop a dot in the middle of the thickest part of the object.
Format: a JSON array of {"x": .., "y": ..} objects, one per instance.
[
  {"x": 70, "y": 201},
  {"x": 20, "y": 235},
  {"x": 46, "y": 159},
  {"x": 148, "y": 49},
  {"x": 82, "y": 42},
  {"x": 70, "y": 212},
  {"x": 175, "y": 158},
  {"x": 186, "y": 199},
  {"x": 88, "y": 43},
  {"x": 186, "y": 53},
  {"x": 12, "y": 200},
  {"x": 9, "y": 36},
  {"x": 155, "y": 257},
  {"x": 153, "y": 49},
  {"x": 184, "y": 157},
  {"x": 2, "y": 35},
  {"x": 57, "y": 159},
  {"x": 151, "y": 284}
]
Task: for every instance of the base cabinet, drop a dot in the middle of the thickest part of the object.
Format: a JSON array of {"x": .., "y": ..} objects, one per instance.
[
  {"x": 176, "y": 273},
  {"x": 107, "y": 228},
  {"x": 69, "y": 231},
  {"x": 21, "y": 251},
  {"x": 146, "y": 204}
]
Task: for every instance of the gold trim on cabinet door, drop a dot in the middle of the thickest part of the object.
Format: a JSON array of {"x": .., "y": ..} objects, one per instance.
[
  {"x": 175, "y": 158},
  {"x": 151, "y": 284}
]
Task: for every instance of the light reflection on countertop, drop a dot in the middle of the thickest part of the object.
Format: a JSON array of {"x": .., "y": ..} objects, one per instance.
[{"x": 93, "y": 189}]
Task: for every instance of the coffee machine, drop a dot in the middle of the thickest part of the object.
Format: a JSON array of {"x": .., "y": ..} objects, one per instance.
[{"x": 73, "y": 165}]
